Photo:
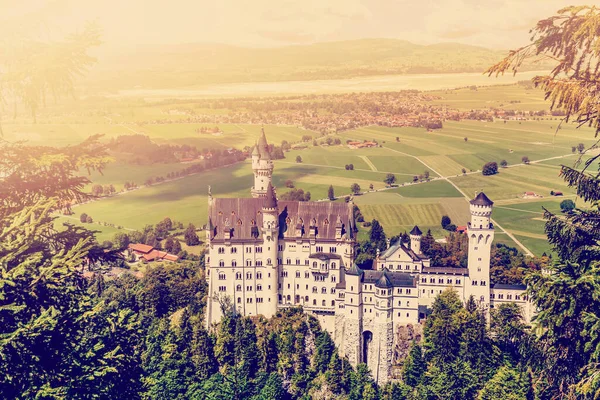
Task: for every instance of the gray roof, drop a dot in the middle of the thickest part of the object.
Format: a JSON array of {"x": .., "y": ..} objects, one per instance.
[
  {"x": 384, "y": 281},
  {"x": 445, "y": 270},
  {"x": 481, "y": 200},
  {"x": 244, "y": 216},
  {"x": 395, "y": 278},
  {"x": 325, "y": 256},
  {"x": 271, "y": 201},
  {"x": 392, "y": 249},
  {"x": 509, "y": 286},
  {"x": 354, "y": 270}
]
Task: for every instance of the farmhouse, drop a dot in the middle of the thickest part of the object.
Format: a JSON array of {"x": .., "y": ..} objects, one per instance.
[
  {"x": 266, "y": 254},
  {"x": 149, "y": 253}
]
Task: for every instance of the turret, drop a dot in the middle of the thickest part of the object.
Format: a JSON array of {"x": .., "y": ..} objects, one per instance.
[
  {"x": 415, "y": 240},
  {"x": 262, "y": 167},
  {"x": 270, "y": 230},
  {"x": 353, "y": 313}
]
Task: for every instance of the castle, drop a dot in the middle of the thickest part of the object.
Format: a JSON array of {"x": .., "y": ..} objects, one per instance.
[{"x": 266, "y": 254}]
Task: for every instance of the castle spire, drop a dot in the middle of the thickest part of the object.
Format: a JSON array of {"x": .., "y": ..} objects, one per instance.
[{"x": 271, "y": 201}]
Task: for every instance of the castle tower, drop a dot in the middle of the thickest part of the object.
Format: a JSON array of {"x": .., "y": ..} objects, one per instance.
[
  {"x": 353, "y": 316},
  {"x": 380, "y": 359},
  {"x": 262, "y": 166},
  {"x": 481, "y": 235},
  {"x": 415, "y": 240},
  {"x": 270, "y": 230}
]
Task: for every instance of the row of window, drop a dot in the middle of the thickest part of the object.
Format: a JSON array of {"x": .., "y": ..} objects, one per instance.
[
  {"x": 509, "y": 297},
  {"x": 306, "y": 300},
  {"x": 481, "y": 283},
  {"x": 406, "y": 267},
  {"x": 249, "y": 300},
  {"x": 441, "y": 281}
]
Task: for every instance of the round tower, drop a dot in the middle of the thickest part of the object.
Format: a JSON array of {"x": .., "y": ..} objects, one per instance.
[
  {"x": 270, "y": 230},
  {"x": 481, "y": 236},
  {"x": 262, "y": 167},
  {"x": 415, "y": 240}
]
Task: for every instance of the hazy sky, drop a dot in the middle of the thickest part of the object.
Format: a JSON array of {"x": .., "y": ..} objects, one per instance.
[{"x": 490, "y": 23}]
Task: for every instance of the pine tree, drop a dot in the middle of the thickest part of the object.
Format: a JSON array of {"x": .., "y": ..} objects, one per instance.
[
  {"x": 330, "y": 193},
  {"x": 377, "y": 236},
  {"x": 508, "y": 384},
  {"x": 414, "y": 366}
]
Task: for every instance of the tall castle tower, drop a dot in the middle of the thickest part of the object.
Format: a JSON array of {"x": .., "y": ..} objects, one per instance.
[
  {"x": 262, "y": 166},
  {"x": 270, "y": 249},
  {"x": 481, "y": 235}
]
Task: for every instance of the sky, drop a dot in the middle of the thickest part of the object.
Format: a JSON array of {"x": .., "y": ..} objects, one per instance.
[{"x": 499, "y": 24}]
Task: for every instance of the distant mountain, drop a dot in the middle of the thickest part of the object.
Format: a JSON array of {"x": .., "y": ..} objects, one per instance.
[{"x": 164, "y": 66}]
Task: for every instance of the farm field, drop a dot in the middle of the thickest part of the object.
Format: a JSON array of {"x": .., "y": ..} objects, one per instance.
[{"x": 406, "y": 152}]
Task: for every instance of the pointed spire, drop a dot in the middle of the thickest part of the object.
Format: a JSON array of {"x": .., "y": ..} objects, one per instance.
[
  {"x": 416, "y": 231},
  {"x": 354, "y": 270},
  {"x": 271, "y": 200},
  {"x": 384, "y": 281},
  {"x": 481, "y": 200}
]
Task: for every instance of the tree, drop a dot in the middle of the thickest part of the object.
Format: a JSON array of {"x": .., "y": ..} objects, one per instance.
[
  {"x": 443, "y": 328},
  {"x": 580, "y": 148},
  {"x": 83, "y": 218},
  {"x": 503, "y": 163},
  {"x": 390, "y": 179},
  {"x": 573, "y": 149},
  {"x": 414, "y": 366},
  {"x": 426, "y": 175},
  {"x": 464, "y": 171},
  {"x": 377, "y": 235},
  {"x": 466, "y": 139},
  {"x": 298, "y": 159},
  {"x": 121, "y": 241},
  {"x": 191, "y": 238},
  {"x": 508, "y": 383},
  {"x": 490, "y": 168},
  {"x": 168, "y": 245},
  {"x": 97, "y": 190},
  {"x": 525, "y": 160},
  {"x": 446, "y": 221},
  {"x": 330, "y": 193},
  {"x": 355, "y": 188},
  {"x": 567, "y": 205},
  {"x": 289, "y": 183}
]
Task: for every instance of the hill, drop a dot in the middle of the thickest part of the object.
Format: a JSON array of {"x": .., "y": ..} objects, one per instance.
[{"x": 169, "y": 66}]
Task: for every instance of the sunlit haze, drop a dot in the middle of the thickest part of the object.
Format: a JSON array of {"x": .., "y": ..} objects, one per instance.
[{"x": 489, "y": 23}]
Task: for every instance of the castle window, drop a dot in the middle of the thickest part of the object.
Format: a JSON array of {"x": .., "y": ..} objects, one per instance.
[
  {"x": 289, "y": 298},
  {"x": 332, "y": 290},
  {"x": 423, "y": 280},
  {"x": 222, "y": 288},
  {"x": 332, "y": 265},
  {"x": 238, "y": 288},
  {"x": 288, "y": 261},
  {"x": 482, "y": 283},
  {"x": 239, "y": 300},
  {"x": 517, "y": 297},
  {"x": 407, "y": 315},
  {"x": 458, "y": 281},
  {"x": 323, "y": 303},
  {"x": 479, "y": 259},
  {"x": 399, "y": 303},
  {"x": 408, "y": 304},
  {"x": 248, "y": 275},
  {"x": 297, "y": 261},
  {"x": 249, "y": 300},
  {"x": 258, "y": 263},
  {"x": 258, "y": 250},
  {"x": 258, "y": 287},
  {"x": 239, "y": 222},
  {"x": 314, "y": 289},
  {"x": 315, "y": 265},
  {"x": 221, "y": 250},
  {"x": 268, "y": 261},
  {"x": 448, "y": 280},
  {"x": 306, "y": 298},
  {"x": 332, "y": 303},
  {"x": 474, "y": 283},
  {"x": 333, "y": 279},
  {"x": 306, "y": 262},
  {"x": 501, "y": 296},
  {"x": 234, "y": 263},
  {"x": 297, "y": 274},
  {"x": 509, "y": 297},
  {"x": 323, "y": 290},
  {"x": 259, "y": 275},
  {"x": 326, "y": 222},
  {"x": 407, "y": 267},
  {"x": 238, "y": 275},
  {"x": 441, "y": 280},
  {"x": 314, "y": 302},
  {"x": 407, "y": 291},
  {"x": 319, "y": 249},
  {"x": 284, "y": 274},
  {"x": 259, "y": 300},
  {"x": 280, "y": 247},
  {"x": 248, "y": 288},
  {"x": 221, "y": 263},
  {"x": 248, "y": 263},
  {"x": 248, "y": 249},
  {"x": 333, "y": 249},
  {"x": 351, "y": 288},
  {"x": 289, "y": 287},
  {"x": 233, "y": 250}
]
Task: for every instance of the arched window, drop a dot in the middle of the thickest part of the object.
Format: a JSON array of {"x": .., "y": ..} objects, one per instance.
[
  {"x": 314, "y": 302},
  {"x": 239, "y": 300},
  {"x": 238, "y": 288},
  {"x": 333, "y": 265},
  {"x": 315, "y": 264},
  {"x": 323, "y": 303},
  {"x": 324, "y": 290},
  {"x": 332, "y": 303},
  {"x": 306, "y": 299},
  {"x": 268, "y": 261},
  {"x": 314, "y": 289}
]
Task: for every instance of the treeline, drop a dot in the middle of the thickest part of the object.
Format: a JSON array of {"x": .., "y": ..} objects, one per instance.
[{"x": 139, "y": 149}]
